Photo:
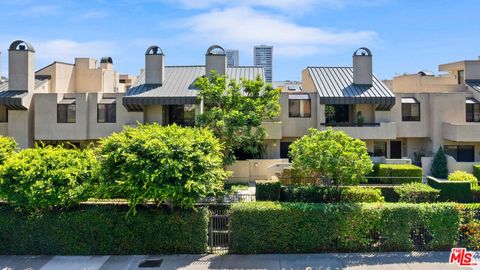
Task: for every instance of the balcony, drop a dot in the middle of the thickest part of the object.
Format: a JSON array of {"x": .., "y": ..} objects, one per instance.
[
  {"x": 366, "y": 131},
  {"x": 273, "y": 130},
  {"x": 461, "y": 132}
]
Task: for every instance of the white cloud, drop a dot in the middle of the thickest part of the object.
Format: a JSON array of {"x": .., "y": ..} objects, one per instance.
[
  {"x": 284, "y": 5},
  {"x": 242, "y": 27},
  {"x": 67, "y": 50}
]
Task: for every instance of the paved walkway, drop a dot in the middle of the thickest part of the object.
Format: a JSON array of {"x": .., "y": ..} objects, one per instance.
[{"x": 397, "y": 260}]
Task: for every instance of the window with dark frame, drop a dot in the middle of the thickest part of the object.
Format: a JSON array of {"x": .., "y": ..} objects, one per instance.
[
  {"x": 380, "y": 149},
  {"x": 3, "y": 114},
  {"x": 461, "y": 153},
  {"x": 66, "y": 113},
  {"x": 472, "y": 110},
  {"x": 410, "y": 110},
  {"x": 299, "y": 108},
  {"x": 107, "y": 113}
]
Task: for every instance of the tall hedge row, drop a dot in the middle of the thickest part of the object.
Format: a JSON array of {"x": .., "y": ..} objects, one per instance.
[
  {"x": 268, "y": 227},
  {"x": 398, "y": 173},
  {"x": 452, "y": 191},
  {"x": 97, "y": 230}
]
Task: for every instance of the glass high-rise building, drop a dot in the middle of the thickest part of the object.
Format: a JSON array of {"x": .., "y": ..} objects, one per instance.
[
  {"x": 262, "y": 56},
  {"x": 232, "y": 58}
]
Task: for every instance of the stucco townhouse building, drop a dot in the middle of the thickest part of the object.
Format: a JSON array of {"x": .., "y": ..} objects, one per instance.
[{"x": 404, "y": 118}]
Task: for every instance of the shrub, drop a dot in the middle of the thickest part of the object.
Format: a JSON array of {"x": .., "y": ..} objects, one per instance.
[
  {"x": 267, "y": 190},
  {"x": 167, "y": 164},
  {"x": 102, "y": 229},
  {"x": 267, "y": 227},
  {"x": 411, "y": 173},
  {"x": 47, "y": 177},
  {"x": 331, "y": 155},
  {"x": 464, "y": 176},
  {"x": 439, "y": 164},
  {"x": 321, "y": 194},
  {"x": 476, "y": 171},
  {"x": 452, "y": 191},
  {"x": 7, "y": 148},
  {"x": 361, "y": 194},
  {"x": 417, "y": 193}
]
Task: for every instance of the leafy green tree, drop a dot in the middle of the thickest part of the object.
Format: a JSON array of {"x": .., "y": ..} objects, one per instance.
[
  {"x": 331, "y": 155},
  {"x": 172, "y": 165},
  {"x": 48, "y": 177},
  {"x": 7, "y": 148},
  {"x": 439, "y": 164},
  {"x": 235, "y": 111}
]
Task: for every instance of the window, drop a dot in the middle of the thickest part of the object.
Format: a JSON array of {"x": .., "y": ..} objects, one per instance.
[
  {"x": 3, "y": 114},
  {"x": 472, "y": 110},
  {"x": 380, "y": 149},
  {"x": 410, "y": 109},
  {"x": 299, "y": 106},
  {"x": 106, "y": 113},
  {"x": 183, "y": 115},
  {"x": 67, "y": 111},
  {"x": 461, "y": 153}
]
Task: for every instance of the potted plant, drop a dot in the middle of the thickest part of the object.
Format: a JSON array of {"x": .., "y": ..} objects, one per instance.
[
  {"x": 360, "y": 118},
  {"x": 330, "y": 113}
]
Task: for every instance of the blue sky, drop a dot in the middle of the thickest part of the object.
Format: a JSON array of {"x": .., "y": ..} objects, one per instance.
[{"x": 405, "y": 36}]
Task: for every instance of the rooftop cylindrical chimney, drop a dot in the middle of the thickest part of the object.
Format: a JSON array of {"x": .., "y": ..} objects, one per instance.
[
  {"x": 106, "y": 63},
  {"x": 154, "y": 65},
  {"x": 362, "y": 67},
  {"x": 216, "y": 59},
  {"x": 21, "y": 66}
]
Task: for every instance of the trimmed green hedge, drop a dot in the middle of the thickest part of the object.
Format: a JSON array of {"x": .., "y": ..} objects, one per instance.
[
  {"x": 102, "y": 229},
  {"x": 268, "y": 227},
  {"x": 451, "y": 191},
  {"x": 476, "y": 171},
  {"x": 416, "y": 193},
  {"x": 268, "y": 190},
  {"x": 321, "y": 194},
  {"x": 411, "y": 173}
]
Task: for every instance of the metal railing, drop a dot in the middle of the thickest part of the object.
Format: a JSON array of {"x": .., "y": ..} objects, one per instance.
[{"x": 348, "y": 124}]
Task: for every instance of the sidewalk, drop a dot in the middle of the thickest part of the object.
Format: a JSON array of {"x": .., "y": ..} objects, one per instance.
[{"x": 396, "y": 260}]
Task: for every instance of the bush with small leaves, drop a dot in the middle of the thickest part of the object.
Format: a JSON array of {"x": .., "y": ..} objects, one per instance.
[
  {"x": 48, "y": 177},
  {"x": 7, "y": 148}
]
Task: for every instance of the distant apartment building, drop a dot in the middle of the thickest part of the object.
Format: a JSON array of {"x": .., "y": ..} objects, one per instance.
[
  {"x": 262, "y": 56},
  {"x": 233, "y": 58}
]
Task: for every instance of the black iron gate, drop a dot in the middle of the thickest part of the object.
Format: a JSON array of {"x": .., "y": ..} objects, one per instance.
[{"x": 219, "y": 229}]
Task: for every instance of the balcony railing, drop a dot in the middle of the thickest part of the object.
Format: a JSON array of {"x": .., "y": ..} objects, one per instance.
[
  {"x": 366, "y": 131},
  {"x": 350, "y": 124}
]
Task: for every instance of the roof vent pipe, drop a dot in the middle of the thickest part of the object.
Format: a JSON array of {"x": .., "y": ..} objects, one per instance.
[
  {"x": 362, "y": 67},
  {"x": 154, "y": 65},
  {"x": 216, "y": 59}
]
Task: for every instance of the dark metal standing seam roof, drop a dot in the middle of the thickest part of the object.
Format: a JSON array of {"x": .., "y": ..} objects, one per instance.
[
  {"x": 335, "y": 86},
  {"x": 12, "y": 99},
  {"x": 475, "y": 84},
  {"x": 177, "y": 87}
]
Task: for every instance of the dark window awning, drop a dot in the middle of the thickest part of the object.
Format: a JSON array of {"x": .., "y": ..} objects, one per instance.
[
  {"x": 107, "y": 101},
  {"x": 471, "y": 101},
  {"x": 12, "y": 99},
  {"x": 409, "y": 100},
  {"x": 299, "y": 96},
  {"x": 67, "y": 101}
]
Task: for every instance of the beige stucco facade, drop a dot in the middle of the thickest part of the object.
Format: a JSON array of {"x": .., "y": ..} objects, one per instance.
[{"x": 442, "y": 122}]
